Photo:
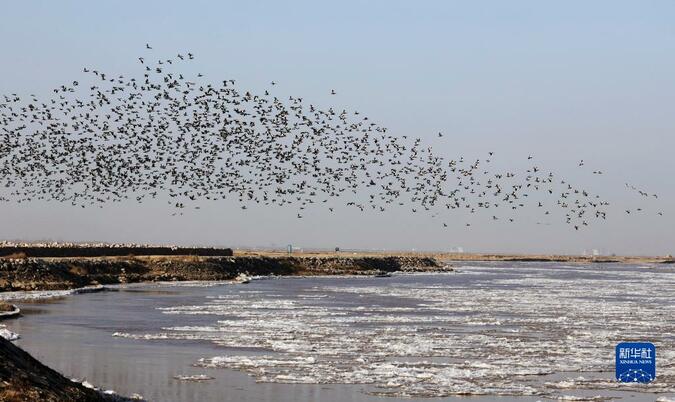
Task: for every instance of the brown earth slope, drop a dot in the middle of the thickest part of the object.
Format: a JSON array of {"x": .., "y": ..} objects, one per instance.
[
  {"x": 24, "y": 379},
  {"x": 69, "y": 273},
  {"x": 62, "y": 251},
  {"x": 5, "y": 307}
]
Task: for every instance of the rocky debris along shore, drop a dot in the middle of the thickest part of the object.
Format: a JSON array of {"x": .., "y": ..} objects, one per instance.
[{"x": 21, "y": 274}]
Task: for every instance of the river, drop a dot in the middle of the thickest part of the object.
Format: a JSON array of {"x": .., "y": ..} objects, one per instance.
[{"x": 506, "y": 331}]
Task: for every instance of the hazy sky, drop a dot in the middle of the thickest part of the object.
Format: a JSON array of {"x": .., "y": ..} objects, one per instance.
[{"x": 561, "y": 81}]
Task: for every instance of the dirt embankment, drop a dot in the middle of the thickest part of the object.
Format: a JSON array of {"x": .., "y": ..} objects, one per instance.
[
  {"x": 69, "y": 273},
  {"x": 22, "y": 378},
  {"x": 62, "y": 251}
]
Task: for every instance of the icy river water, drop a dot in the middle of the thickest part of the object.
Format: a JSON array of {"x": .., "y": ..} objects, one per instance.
[{"x": 489, "y": 331}]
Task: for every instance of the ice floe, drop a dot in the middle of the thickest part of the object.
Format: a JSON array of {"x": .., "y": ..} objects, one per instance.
[
  {"x": 7, "y": 334},
  {"x": 194, "y": 378}
]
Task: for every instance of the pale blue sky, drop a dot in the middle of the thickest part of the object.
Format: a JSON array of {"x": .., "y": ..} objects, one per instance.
[{"x": 565, "y": 81}]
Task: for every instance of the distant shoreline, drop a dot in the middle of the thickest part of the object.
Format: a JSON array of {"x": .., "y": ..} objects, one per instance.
[
  {"x": 453, "y": 256},
  {"x": 556, "y": 258},
  {"x": 98, "y": 249}
]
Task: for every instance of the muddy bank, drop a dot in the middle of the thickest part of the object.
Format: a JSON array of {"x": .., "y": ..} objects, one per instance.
[
  {"x": 70, "y": 273},
  {"x": 22, "y": 378}
]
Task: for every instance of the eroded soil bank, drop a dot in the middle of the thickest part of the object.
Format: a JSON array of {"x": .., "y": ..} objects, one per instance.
[
  {"x": 23, "y": 378},
  {"x": 68, "y": 273}
]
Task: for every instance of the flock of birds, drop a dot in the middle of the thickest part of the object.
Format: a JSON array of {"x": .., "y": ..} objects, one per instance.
[{"x": 172, "y": 135}]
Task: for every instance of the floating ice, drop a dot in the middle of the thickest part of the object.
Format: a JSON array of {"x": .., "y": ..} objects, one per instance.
[
  {"x": 7, "y": 334},
  {"x": 493, "y": 330},
  {"x": 48, "y": 294},
  {"x": 110, "y": 395},
  {"x": 194, "y": 378}
]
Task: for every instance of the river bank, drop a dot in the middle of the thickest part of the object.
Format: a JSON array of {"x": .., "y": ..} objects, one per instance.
[
  {"x": 23, "y": 274},
  {"x": 23, "y": 378},
  {"x": 43, "y": 250}
]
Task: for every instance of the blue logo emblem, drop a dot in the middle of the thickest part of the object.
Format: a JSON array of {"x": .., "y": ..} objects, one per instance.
[{"x": 635, "y": 362}]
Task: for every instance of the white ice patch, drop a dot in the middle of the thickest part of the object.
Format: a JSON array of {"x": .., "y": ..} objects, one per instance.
[
  {"x": 193, "y": 378},
  {"x": 47, "y": 294},
  {"x": 7, "y": 334}
]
